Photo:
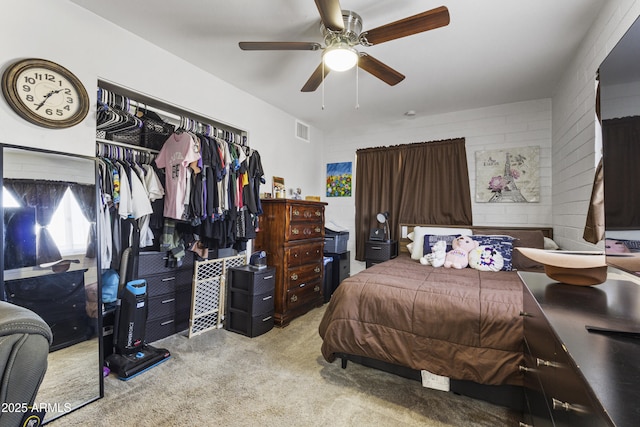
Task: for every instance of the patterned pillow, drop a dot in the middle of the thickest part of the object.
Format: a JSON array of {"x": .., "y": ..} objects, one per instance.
[
  {"x": 419, "y": 232},
  {"x": 502, "y": 244},
  {"x": 486, "y": 258}
]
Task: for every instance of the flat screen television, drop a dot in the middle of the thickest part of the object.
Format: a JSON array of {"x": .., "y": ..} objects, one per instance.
[{"x": 19, "y": 237}]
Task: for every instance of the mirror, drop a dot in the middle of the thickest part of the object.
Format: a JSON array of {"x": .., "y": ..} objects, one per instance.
[
  {"x": 619, "y": 76},
  {"x": 51, "y": 266}
]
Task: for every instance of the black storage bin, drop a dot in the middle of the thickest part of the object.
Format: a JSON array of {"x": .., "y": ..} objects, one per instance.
[{"x": 327, "y": 286}]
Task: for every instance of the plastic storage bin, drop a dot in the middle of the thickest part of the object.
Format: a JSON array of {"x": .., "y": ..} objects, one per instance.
[{"x": 335, "y": 242}]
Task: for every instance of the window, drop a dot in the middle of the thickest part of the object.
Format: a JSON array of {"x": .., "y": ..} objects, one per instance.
[{"x": 69, "y": 228}]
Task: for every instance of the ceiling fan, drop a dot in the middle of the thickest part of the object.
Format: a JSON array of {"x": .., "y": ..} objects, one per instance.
[{"x": 342, "y": 30}]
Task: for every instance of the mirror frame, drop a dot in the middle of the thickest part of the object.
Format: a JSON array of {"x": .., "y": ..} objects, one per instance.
[{"x": 64, "y": 408}]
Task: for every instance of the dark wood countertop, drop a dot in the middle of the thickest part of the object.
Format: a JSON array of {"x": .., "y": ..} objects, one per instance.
[{"x": 609, "y": 363}]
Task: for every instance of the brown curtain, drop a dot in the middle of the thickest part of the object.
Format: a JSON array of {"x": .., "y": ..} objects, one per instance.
[
  {"x": 621, "y": 176},
  {"x": 423, "y": 183},
  {"x": 594, "y": 226}
]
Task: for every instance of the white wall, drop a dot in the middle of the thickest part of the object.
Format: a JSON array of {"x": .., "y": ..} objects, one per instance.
[
  {"x": 95, "y": 49},
  {"x": 519, "y": 124},
  {"x": 573, "y": 152}
]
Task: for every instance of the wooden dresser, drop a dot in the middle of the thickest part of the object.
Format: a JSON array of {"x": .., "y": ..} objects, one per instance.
[
  {"x": 574, "y": 377},
  {"x": 292, "y": 235}
]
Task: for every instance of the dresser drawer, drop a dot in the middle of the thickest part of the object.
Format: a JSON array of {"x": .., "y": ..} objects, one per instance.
[
  {"x": 251, "y": 326},
  {"x": 159, "y": 284},
  {"x": 303, "y": 231},
  {"x": 252, "y": 280},
  {"x": 253, "y": 304},
  {"x": 162, "y": 306},
  {"x": 160, "y": 328},
  {"x": 304, "y": 274},
  {"x": 300, "y": 212},
  {"x": 303, "y": 294},
  {"x": 158, "y": 262},
  {"x": 304, "y": 254}
]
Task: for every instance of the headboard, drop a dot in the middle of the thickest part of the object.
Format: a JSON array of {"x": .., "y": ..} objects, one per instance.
[{"x": 477, "y": 229}]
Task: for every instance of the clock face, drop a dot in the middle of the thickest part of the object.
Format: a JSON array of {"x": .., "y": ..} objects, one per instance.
[{"x": 45, "y": 93}]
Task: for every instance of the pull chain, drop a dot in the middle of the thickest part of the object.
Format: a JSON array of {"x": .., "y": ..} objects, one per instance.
[
  {"x": 357, "y": 89},
  {"x": 323, "y": 85}
]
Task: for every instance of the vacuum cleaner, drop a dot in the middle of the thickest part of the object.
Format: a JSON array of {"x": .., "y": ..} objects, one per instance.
[{"x": 131, "y": 354}]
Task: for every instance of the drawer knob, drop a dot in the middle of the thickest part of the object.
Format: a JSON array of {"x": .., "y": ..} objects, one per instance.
[
  {"x": 296, "y": 212},
  {"x": 267, "y": 277},
  {"x": 559, "y": 405},
  {"x": 267, "y": 298},
  {"x": 295, "y": 231},
  {"x": 294, "y": 276},
  {"x": 318, "y": 229},
  {"x": 316, "y": 288},
  {"x": 266, "y": 319},
  {"x": 294, "y": 298},
  {"x": 525, "y": 314},
  {"x": 168, "y": 279},
  {"x": 523, "y": 368},
  {"x": 317, "y": 269},
  {"x": 318, "y": 213},
  {"x": 376, "y": 248}
]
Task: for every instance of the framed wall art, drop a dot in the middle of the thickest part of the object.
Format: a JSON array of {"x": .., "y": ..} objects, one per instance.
[{"x": 508, "y": 175}]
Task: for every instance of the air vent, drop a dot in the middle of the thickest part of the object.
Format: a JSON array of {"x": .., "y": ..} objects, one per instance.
[{"x": 302, "y": 131}]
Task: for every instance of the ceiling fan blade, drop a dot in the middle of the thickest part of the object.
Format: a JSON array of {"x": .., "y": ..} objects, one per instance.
[
  {"x": 279, "y": 46},
  {"x": 315, "y": 79},
  {"x": 331, "y": 14},
  {"x": 429, "y": 20},
  {"x": 379, "y": 70}
]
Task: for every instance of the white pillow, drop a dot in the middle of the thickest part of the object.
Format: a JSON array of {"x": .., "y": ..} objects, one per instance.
[
  {"x": 410, "y": 236},
  {"x": 410, "y": 247},
  {"x": 419, "y": 233},
  {"x": 549, "y": 244}
]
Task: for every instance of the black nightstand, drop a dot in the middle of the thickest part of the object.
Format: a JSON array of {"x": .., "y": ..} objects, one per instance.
[
  {"x": 376, "y": 252},
  {"x": 250, "y": 304}
]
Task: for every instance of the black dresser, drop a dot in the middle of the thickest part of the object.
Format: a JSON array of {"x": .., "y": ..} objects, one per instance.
[
  {"x": 169, "y": 290},
  {"x": 574, "y": 377},
  {"x": 250, "y": 304},
  {"x": 60, "y": 299}
]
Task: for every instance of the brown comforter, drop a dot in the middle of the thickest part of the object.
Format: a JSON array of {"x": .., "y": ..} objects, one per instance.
[{"x": 463, "y": 324}]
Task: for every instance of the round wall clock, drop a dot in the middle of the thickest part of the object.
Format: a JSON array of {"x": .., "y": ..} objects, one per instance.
[{"x": 45, "y": 93}]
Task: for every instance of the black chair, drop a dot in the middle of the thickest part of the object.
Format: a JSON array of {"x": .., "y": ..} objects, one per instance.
[{"x": 25, "y": 340}]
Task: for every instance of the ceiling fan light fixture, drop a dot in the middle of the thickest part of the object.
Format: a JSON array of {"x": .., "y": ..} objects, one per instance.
[{"x": 340, "y": 57}]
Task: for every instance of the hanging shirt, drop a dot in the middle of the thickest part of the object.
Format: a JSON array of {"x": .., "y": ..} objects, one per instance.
[{"x": 175, "y": 156}]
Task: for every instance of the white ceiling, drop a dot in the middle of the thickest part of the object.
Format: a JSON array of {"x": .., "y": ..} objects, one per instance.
[{"x": 492, "y": 52}]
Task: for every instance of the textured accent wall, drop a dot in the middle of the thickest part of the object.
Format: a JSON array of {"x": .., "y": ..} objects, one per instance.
[{"x": 573, "y": 131}]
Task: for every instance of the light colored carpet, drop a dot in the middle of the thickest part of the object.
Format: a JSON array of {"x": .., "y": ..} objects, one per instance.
[{"x": 280, "y": 378}]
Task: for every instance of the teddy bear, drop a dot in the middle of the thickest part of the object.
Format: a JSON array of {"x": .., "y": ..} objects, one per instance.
[
  {"x": 437, "y": 255},
  {"x": 458, "y": 257}
]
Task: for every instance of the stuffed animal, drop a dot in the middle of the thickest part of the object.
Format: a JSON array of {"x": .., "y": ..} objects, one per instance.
[
  {"x": 458, "y": 257},
  {"x": 437, "y": 255}
]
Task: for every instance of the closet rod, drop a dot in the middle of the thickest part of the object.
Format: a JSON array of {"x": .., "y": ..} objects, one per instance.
[
  {"x": 167, "y": 107},
  {"x": 125, "y": 145}
]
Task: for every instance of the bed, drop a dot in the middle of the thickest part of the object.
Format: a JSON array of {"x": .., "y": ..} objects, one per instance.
[{"x": 407, "y": 317}]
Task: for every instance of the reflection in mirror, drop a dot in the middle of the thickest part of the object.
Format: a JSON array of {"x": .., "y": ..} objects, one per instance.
[
  {"x": 619, "y": 76},
  {"x": 50, "y": 266}
]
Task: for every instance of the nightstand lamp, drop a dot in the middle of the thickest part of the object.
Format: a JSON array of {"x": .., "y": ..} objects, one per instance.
[{"x": 383, "y": 218}]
